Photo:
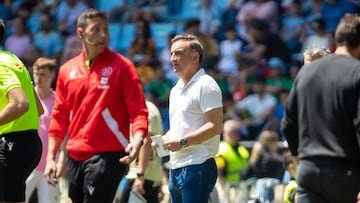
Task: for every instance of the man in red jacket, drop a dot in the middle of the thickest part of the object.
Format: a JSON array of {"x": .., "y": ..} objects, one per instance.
[{"x": 98, "y": 96}]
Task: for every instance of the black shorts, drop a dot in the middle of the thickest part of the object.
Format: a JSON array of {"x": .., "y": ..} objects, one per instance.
[
  {"x": 97, "y": 178},
  {"x": 20, "y": 153}
]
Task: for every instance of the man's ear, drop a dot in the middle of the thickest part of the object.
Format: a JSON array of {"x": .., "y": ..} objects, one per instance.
[{"x": 80, "y": 32}]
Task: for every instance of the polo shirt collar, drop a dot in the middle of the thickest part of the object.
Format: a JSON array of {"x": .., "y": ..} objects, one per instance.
[{"x": 194, "y": 78}]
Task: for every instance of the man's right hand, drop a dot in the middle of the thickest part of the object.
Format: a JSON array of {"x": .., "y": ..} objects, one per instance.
[{"x": 50, "y": 173}]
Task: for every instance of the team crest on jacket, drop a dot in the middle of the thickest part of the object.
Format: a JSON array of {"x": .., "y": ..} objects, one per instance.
[{"x": 105, "y": 73}]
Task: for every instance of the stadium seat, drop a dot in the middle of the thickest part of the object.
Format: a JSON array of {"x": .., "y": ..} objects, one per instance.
[
  {"x": 160, "y": 32},
  {"x": 107, "y": 5},
  {"x": 126, "y": 36},
  {"x": 189, "y": 9},
  {"x": 115, "y": 36}
]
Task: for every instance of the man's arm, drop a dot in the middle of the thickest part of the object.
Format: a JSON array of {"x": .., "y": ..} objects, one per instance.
[
  {"x": 51, "y": 170},
  {"x": 143, "y": 160},
  {"x": 38, "y": 104},
  {"x": 212, "y": 127},
  {"x": 17, "y": 106}
]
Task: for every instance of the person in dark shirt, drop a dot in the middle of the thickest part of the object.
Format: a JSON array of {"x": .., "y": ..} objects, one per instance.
[
  {"x": 322, "y": 121},
  {"x": 263, "y": 43}
]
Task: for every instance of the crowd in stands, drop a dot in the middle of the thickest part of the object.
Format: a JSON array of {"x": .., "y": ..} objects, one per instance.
[{"x": 254, "y": 49}]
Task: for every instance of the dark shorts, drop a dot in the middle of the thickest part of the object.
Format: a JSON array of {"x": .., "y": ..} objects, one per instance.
[
  {"x": 20, "y": 153},
  {"x": 97, "y": 178}
]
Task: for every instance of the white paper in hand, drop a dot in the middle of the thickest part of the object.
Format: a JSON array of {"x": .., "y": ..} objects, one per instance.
[{"x": 160, "y": 149}]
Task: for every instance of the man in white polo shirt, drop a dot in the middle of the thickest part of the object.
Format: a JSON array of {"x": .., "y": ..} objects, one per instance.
[{"x": 196, "y": 117}]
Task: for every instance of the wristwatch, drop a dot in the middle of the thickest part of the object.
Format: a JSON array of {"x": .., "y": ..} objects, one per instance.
[
  {"x": 184, "y": 143},
  {"x": 139, "y": 175}
]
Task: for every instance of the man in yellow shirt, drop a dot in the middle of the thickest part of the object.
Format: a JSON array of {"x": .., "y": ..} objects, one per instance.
[{"x": 20, "y": 145}]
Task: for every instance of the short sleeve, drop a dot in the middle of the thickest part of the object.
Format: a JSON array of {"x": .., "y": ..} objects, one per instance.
[
  {"x": 211, "y": 97},
  {"x": 8, "y": 80}
]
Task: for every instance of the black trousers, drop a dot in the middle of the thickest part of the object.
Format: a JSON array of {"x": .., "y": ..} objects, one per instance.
[{"x": 327, "y": 181}]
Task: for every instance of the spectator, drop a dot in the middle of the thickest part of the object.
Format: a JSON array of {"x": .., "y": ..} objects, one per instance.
[
  {"x": 195, "y": 124},
  {"x": 316, "y": 121},
  {"x": 228, "y": 51},
  {"x": 231, "y": 160},
  {"x": 20, "y": 145},
  {"x": 209, "y": 15},
  {"x": 265, "y": 160},
  {"x": 228, "y": 18},
  {"x": 277, "y": 80},
  {"x": 290, "y": 191},
  {"x": 192, "y": 26},
  {"x": 150, "y": 10},
  {"x": 49, "y": 41},
  {"x": 263, "y": 45},
  {"x": 43, "y": 74},
  {"x": 20, "y": 40},
  {"x": 108, "y": 82},
  {"x": 35, "y": 16},
  {"x": 266, "y": 10},
  {"x": 145, "y": 173},
  {"x": 159, "y": 90},
  {"x": 5, "y": 10},
  {"x": 72, "y": 48},
  {"x": 293, "y": 26},
  {"x": 66, "y": 14},
  {"x": 333, "y": 10},
  {"x": 256, "y": 109},
  {"x": 131, "y": 11},
  {"x": 142, "y": 48},
  {"x": 265, "y": 164},
  {"x": 32, "y": 53},
  {"x": 320, "y": 37}
]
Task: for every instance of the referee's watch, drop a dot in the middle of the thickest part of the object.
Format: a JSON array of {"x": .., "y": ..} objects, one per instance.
[{"x": 184, "y": 143}]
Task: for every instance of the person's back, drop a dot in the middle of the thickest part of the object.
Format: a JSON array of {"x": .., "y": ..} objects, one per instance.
[
  {"x": 321, "y": 121},
  {"x": 334, "y": 107}
]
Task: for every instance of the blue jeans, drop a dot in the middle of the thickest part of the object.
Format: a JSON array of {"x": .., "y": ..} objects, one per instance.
[{"x": 193, "y": 183}]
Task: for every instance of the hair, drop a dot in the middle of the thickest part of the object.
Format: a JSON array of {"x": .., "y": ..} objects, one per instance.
[
  {"x": 320, "y": 22},
  {"x": 259, "y": 78},
  {"x": 348, "y": 31},
  {"x": 313, "y": 50},
  {"x": 195, "y": 43},
  {"x": 2, "y": 31},
  {"x": 90, "y": 14},
  {"x": 44, "y": 62},
  {"x": 191, "y": 23},
  {"x": 230, "y": 28}
]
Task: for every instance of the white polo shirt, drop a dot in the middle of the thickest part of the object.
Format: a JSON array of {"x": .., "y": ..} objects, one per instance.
[{"x": 187, "y": 107}]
